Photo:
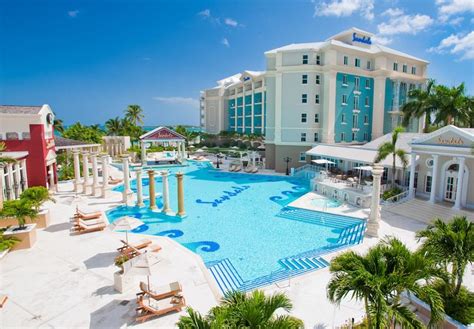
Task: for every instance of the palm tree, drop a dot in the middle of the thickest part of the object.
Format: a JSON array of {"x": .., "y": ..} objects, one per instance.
[
  {"x": 452, "y": 105},
  {"x": 242, "y": 310},
  {"x": 113, "y": 126},
  {"x": 421, "y": 102},
  {"x": 379, "y": 278},
  {"x": 450, "y": 244},
  {"x": 58, "y": 125},
  {"x": 390, "y": 148},
  {"x": 134, "y": 114}
]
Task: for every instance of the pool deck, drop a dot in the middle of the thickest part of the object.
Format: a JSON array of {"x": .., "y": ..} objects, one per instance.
[{"x": 66, "y": 281}]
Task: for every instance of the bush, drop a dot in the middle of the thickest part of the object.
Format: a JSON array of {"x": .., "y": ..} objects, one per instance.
[
  {"x": 21, "y": 209},
  {"x": 390, "y": 193},
  {"x": 460, "y": 307},
  {"x": 36, "y": 195},
  {"x": 7, "y": 242}
]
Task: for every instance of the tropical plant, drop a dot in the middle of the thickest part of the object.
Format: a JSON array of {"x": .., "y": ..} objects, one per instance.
[
  {"x": 36, "y": 195},
  {"x": 7, "y": 241},
  {"x": 242, "y": 310},
  {"x": 134, "y": 114},
  {"x": 58, "y": 125},
  {"x": 390, "y": 148},
  {"x": 451, "y": 245},
  {"x": 83, "y": 133},
  {"x": 113, "y": 126},
  {"x": 421, "y": 102},
  {"x": 380, "y": 277},
  {"x": 452, "y": 105},
  {"x": 19, "y": 209}
]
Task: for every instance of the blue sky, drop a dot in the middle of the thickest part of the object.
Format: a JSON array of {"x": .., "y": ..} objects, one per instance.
[{"x": 89, "y": 59}]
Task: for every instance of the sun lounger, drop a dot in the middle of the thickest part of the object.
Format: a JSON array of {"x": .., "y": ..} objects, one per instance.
[
  {"x": 160, "y": 292},
  {"x": 149, "y": 307},
  {"x": 132, "y": 252},
  {"x": 3, "y": 300},
  {"x": 254, "y": 170},
  {"x": 87, "y": 213},
  {"x": 231, "y": 167},
  {"x": 138, "y": 245},
  {"x": 238, "y": 168},
  {"x": 114, "y": 181},
  {"x": 83, "y": 227}
]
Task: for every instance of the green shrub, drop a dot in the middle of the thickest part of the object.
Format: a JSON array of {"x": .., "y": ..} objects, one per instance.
[
  {"x": 391, "y": 192},
  {"x": 460, "y": 307},
  {"x": 36, "y": 195},
  {"x": 7, "y": 242},
  {"x": 21, "y": 209}
]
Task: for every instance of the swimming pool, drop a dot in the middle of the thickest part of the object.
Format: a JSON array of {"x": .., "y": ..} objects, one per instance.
[
  {"x": 241, "y": 226},
  {"x": 324, "y": 202}
]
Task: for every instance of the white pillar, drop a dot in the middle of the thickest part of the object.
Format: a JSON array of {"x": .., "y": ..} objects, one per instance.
[
  {"x": 374, "y": 216},
  {"x": 166, "y": 193},
  {"x": 126, "y": 179},
  {"x": 462, "y": 164},
  {"x": 51, "y": 177},
  {"x": 85, "y": 172},
  {"x": 138, "y": 173},
  {"x": 77, "y": 170},
  {"x": 95, "y": 174},
  {"x": 2, "y": 184},
  {"x": 24, "y": 174},
  {"x": 143, "y": 149},
  {"x": 411, "y": 191},
  {"x": 105, "y": 175},
  {"x": 434, "y": 178},
  {"x": 10, "y": 187}
]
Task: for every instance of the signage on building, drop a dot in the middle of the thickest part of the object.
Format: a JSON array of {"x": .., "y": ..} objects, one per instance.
[
  {"x": 361, "y": 39},
  {"x": 246, "y": 78},
  {"x": 450, "y": 140}
]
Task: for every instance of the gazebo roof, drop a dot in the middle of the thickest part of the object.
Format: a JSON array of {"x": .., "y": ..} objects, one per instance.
[
  {"x": 162, "y": 134},
  {"x": 63, "y": 143}
]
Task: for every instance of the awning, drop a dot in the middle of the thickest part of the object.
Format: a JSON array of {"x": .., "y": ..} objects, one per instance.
[
  {"x": 364, "y": 168},
  {"x": 322, "y": 161}
]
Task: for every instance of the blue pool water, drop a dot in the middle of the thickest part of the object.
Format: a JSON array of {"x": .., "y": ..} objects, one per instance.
[
  {"x": 241, "y": 226},
  {"x": 326, "y": 202}
]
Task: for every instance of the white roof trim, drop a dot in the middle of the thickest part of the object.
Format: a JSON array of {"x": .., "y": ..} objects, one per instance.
[
  {"x": 151, "y": 132},
  {"x": 442, "y": 131}
]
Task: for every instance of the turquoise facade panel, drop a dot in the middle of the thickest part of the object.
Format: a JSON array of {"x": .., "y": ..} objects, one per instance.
[
  {"x": 343, "y": 122},
  {"x": 257, "y": 97},
  {"x": 388, "y": 105},
  {"x": 239, "y": 101},
  {"x": 257, "y": 121},
  {"x": 257, "y": 110},
  {"x": 248, "y": 99},
  {"x": 243, "y": 114},
  {"x": 248, "y": 109}
]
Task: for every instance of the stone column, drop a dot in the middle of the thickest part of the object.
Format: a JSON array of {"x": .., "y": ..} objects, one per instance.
[
  {"x": 434, "y": 179},
  {"x": 143, "y": 149},
  {"x": 166, "y": 193},
  {"x": 457, "y": 202},
  {"x": 51, "y": 176},
  {"x": 126, "y": 179},
  {"x": 2, "y": 184},
  {"x": 151, "y": 186},
  {"x": 85, "y": 171},
  {"x": 105, "y": 175},
  {"x": 10, "y": 189},
  {"x": 374, "y": 216},
  {"x": 17, "y": 179},
  {"x": 411, "y": 187},
  {"x": 24, "y": 174},
  {"x": 77, "y": 170},
  {"x": 138, "y": 173},
  {"x": 95, "y": 174},
  {"x": 181, "y": 212}
]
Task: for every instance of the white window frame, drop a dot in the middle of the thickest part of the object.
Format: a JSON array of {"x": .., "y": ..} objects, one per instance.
[
  {"x": 316, "y": 118},
  {"x": 357, "y": 62},
  {"x": 302, "y": 157},
  {"x": 343, "y": 137},
  {"x": 318, "y": 59},
  {"x": 369, "y": 65},
  {"x": 318, "y": 79},
  {"x": 345, "y": 60},
  {"x": 316, "y": 137},
  {"x": 405, "y": 68},
  {"x": 344, "y": 99},
  {"x": 367, "y": 84},
  {"x": 304, "y": 79},
  {"x": 304, "y": 117},
  {"x": 303, "y": 137},
  {"x": 345, "y": 80},
  {"x": 413, "y": 70},
  {"x": 305, "y": 58},
  {"x": 304, "y": 98},
  {"x": 316, "y": 99},
  {"x": 357, "y": 83},
  {"x": 367, "y": 101},
  {"x": 343, "y": 118},
  {"x": 428, "y": 174},
  {"x": 395, "y": 66}
]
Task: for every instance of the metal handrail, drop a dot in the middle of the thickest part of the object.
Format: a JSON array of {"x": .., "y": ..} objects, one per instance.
[{"x": 397, "y": 198}]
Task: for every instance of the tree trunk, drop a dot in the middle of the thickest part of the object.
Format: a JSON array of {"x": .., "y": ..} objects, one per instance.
[
  {"x": 394, "y": 170},
  {"x": 460, "y": 274},
  {"x": 427, "y": 122},
  {"x": 366, "y": 304}
]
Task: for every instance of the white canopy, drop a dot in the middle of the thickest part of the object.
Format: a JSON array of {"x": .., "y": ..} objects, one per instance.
[
  {"x": 322, "y": 161},
  {"x": 126, "y": 224},
  {"x": 364, "y": 168}
]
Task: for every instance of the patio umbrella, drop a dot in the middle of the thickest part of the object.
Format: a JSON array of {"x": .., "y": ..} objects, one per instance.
[
  {"x": 126, "y": 224},
  {"x": 144, "y": 264},
  {"x": 363, "y": 168},
  {"x": 234, "y": 148},
  {"x": 323, "y": 161},
  {"x": 199, "y": 151}
]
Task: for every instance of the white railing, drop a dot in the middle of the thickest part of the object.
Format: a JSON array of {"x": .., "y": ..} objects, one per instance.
[
  {"x": 308, "y": 167},
  {"x": 401, "y": 197}
]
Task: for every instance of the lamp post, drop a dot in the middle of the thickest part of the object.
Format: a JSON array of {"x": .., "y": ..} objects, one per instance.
[
  {"x": 218, "y": 156},
  {"x": 287, "y": 160}
]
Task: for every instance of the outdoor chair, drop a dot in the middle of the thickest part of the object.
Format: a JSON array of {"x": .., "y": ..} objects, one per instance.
[
  {"x": 160, "y": 292},
  {"x": 149, "y": 307},
  {"x": 81, "y": 227},
  {"x": 138, "y": 245}
]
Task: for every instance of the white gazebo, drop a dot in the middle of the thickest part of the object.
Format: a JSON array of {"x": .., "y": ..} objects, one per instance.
[{"x": 166, "y": 137}]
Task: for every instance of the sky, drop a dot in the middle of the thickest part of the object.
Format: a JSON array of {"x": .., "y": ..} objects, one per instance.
[{"x": 89, "y": 59}]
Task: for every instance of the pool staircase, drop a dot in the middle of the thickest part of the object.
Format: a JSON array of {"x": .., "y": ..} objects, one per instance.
[{"x": 318, "y": 218}]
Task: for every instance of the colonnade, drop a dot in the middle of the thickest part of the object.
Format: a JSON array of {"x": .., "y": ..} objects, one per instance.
[
  {"x": 90, "y": 184},
  {"x": 180, "y": 149},
  {"x": 114, "y": 148},
  {"x": 13, "y": 179}
]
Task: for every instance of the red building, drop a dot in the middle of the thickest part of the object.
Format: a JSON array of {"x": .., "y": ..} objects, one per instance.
[{"x": 30, "y": 129}]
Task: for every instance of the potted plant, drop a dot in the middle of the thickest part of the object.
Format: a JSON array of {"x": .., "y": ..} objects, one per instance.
[
  {"x": 122, "y": 283},
  {"x": 21, "y": 210},
  {"x": 7, "y": 242},
  {"x": 37, "y": 196}
]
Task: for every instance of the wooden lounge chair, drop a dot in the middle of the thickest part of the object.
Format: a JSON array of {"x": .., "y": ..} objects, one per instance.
[
  {"x": 132, "y": 252},
  {"x": 84, "y": 214},
  {"x": 254, "y": 170},
  {"x": 232, "y": 168},
  {"x": 160, "y": 292},
  {"x": 114, "y": 181},
  {"x": 238, "y": 168},
  {"x": 83, "y": 227},
  {"x": 138, "y": 245},
  {"x": 3, "y": 300},
  {"x": 149, "y": 307}
]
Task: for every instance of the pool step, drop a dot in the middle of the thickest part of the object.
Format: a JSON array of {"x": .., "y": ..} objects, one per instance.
[
  {"x": 318, "y": 217},
  {"x": 353, "y": 234},
  {"x": 303, "y": 264},
  {"x": 225, "y": 275}
]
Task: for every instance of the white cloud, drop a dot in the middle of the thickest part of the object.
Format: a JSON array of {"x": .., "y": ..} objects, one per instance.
[
  {"x": 231, "y": 22},
  {"x": 225, "y": 42},
  {"x": 401, "y": 23},
  {"x": 382, "y": 40},
  {"x": 458, "y": 44},
  {"x": 73, "y": 13},
  {"x": 456, "y": 21},
  {"x": 447, "y": 8},
  {"x": 392, "y": 12},
  {"x": 344, "y": 8},
  {"x": 205, "y": 13},
  {"x": 177, "y": 100}
]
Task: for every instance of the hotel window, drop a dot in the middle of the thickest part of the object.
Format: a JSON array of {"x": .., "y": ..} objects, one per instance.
[
  {"x": 353, "y": 136},
  {"x": 316, "y": 137},
  {"x": 303, "y": 117},
  {"x": 344, "y": 80},
  {"x": 395, "y": 66},
  {"x": 318, "y": 81},
  {"x": 303, "y": 137},
  {"x": 304, "y": 98},
  {"x": 428, "y": 184},
  {"x": 367, "y": 84},
  {"x": 357, "y": 83},
  {"x": 368, "y": 65},
  {"x": 346, "y": 60},
  {"x": 405, "y": 68},
  {"x": 305, "y": 59},
  {"x": 357, "y": 62},
  {"x": 355, "y": 121},
  {"x": 318, "y": 60},
  {"x": 11, "y": 136},
  {"x": 304, "y": 79},
  {"x": 344, "y": 99},
  {"x": 366, "y": 136},
  {"x": 413, "y": 70},
  {"x": 356, "y": 102},
  {"x": 316, "y": 99},
  {"x": 25, "y": 135},
  {"x": 316, "y": 118},
  {"x": 367, "y": 101},
  {"x": 343, "y": 137},
  {"x": 302, "y": 157},
  {"x": 343, "y": 118},
  {"x": 366, "y": 119}
]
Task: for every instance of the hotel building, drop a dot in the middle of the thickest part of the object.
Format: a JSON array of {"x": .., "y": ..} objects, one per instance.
[{"x": 236, "y": 104}]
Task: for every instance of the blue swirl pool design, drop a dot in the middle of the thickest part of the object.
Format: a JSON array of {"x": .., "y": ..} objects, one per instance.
[
  {"x": 206, "y": 246},
  {"x": 171, "y": 233}
]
